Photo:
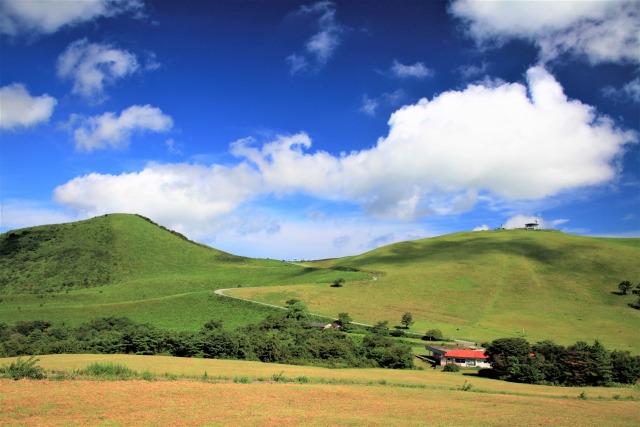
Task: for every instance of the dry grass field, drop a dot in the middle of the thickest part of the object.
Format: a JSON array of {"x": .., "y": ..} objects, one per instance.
[
  {"x": 349, "y": 397},
  {"x": 184, "y": 403}
]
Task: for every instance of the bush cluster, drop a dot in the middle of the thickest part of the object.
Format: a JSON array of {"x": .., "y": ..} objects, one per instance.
[
  {"x": 580, "y": 364},
  {"x": 283, "y": 338},
  {"x": 20, "y": 369}
]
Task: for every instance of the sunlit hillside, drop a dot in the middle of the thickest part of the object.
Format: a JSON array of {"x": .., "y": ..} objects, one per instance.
[{"x": 484, "y": 285}]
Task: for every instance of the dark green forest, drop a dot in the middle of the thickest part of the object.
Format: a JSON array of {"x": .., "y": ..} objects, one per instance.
[{"x": 580, "y": 364}]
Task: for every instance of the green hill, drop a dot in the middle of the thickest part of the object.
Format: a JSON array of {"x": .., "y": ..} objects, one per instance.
[
  {"x": 126, "y": 265},
  {"x": 475, "y": 285},
  {"x": 97, "y": 252},
  {"x": 485, "y": 285}
]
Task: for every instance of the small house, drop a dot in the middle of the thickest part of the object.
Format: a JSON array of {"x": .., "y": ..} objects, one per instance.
[
  {"x": 324, "y": 326},
  {"x": 532, "y": 225},
  {"x": 465, "y": 358}
]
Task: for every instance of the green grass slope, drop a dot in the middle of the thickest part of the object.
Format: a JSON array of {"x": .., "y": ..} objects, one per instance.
[
  {"x": 125, "y": 265},
  {"x": 485, "y": 285}
]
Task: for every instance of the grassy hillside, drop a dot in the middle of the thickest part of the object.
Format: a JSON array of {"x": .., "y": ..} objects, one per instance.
[
  {"x": 485, "y": 285},
  {"x": 125, "y": 265},
  {"x": 478, "y": 285}
]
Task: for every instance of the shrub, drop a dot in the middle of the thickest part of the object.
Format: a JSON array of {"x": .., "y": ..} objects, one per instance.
[
  {"x": 242, "y": 380},
  {"x": 433, "y": 335},
  {"x": 111, "y": 371},
  {"x": 23, "y": 369},
  {"x": 148, "y": 376},
  {"x": 279, "y": 378},
  {"x": 451, "y": 368},
  {"x": 397, "y": 333},
  {"x": 465, "y": 387}
]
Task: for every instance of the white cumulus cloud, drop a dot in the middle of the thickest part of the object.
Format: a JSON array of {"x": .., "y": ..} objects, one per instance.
[
  {"x": 600, "y": 31},
  {"x": 507, "y": 142},
  {"x": 19, "y": 109},
  {"x": 48, "y": 16},
  {"x": 111, "y": 130},
  {"x": 91, "y": 66},
  {"x": 172, "y": 194}
]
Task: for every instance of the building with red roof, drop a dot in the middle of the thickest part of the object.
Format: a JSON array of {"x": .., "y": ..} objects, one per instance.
[{"x": 465, "y": 358}]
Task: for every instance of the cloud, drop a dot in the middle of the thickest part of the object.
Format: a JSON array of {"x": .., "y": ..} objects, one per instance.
[
  {"x": 24, "y": 213},
  {"x": 507, "y": 142},
  {"x": 48, "y": 16},
  {"x": 483, "y": 227},
  {"x": 19, "y": 109},
  {"x": 99, "y": 132},
  {"x": 519, "y": 221},
  {"x": 334, "y": 237},
  {"x": 320, "y": 47},
  {"x": 440, "y": 154},
  {"x": 599, "y": 31},
  {"x": 628, "y": 92},
  {"x": 417, "y": 70},
  {"x": 471, "y": 71},
  {"x": 370, "y": 105},
  {"x": 173, "y": 194},
  {"x": 92, "y": 66}
]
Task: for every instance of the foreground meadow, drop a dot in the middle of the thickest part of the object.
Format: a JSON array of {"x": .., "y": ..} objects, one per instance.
[{"x": 251, "y": 393}]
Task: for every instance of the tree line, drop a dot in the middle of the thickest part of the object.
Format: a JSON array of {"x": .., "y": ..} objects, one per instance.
[
  {"x": 580, "y": 364},
  {"x": 286, "y": 337}
]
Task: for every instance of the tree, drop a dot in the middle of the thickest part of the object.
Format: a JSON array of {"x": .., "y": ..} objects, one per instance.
[
  {"x": 298, "y": 311},
  {"x": 506, "y": 354},
  {"x": 212, "y": 325},
  {"x": 549, "y": 355},
  {"x": 381, "y": 328},
  {"x": 587, "y": 365},
  {"x": 434, "y": 335},
  {"x": 343, "y": 320},
  {"x": 338, "y": 283},
  {"x": 407, "y": 320},
  {"x": 626, "y": 368},
  {"x": 625, "y": 286}
]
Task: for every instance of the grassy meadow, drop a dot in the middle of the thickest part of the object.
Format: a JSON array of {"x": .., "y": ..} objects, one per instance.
[
  {"x": 484, "y": 285},
  {"x": 250, "y": 393}
]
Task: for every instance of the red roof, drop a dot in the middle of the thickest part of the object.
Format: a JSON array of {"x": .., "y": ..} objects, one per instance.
[{"x": 466, "y": 354}]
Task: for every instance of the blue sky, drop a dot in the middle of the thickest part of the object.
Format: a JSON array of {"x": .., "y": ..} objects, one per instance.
[{"x": 308, "y": 130}]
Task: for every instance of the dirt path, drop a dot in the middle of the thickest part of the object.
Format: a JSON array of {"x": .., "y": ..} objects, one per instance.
[{"x": 222, "y": 294}]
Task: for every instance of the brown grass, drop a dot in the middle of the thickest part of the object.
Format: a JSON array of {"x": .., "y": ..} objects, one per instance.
[
  {"x": 185, "y": 403},
  {"x": 417, "y": 397}
]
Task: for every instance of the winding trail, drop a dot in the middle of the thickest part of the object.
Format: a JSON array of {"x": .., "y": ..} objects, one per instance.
[{"x": 222, "y": 294}]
